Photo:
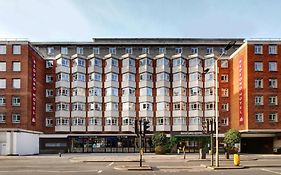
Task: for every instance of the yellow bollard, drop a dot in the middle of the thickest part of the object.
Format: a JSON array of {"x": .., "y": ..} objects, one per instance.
[{"x": 236, "y": 159}]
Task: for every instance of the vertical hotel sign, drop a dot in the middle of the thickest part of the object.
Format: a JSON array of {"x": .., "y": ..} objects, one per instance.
[
  {"x": 33, "y": 93},
  {"x": 241, "y": 92}
]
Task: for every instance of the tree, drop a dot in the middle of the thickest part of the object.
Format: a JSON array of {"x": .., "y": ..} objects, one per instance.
[
  {"x": 231, "y": 137},
  {"x": 161, "y": 143}
]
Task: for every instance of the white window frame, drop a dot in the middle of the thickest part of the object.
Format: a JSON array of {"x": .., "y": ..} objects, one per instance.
[
  {"x": 258, "y": 100},
  {"x": 3, "y": 66},
  {"x": 15, "y": 118},
  {"x": 16, "y": 83},
  {"x": 273, "y": 117},
  {"x": 273, "y": 83},
  {"x": 3, "y": 49},
  {"x": 258, "y": 83},
  {"x": 50, "y": 51},
  {"x": 259, "y": 117},
  {"x": 16, "y": 49},
  {"x": 272, "y": 66},
  {"x": 258, "y": 66},
  {"x": 272, "y": 49},
  {"x": 16, "y": 66},
  {"x": 258, "y": 49}
]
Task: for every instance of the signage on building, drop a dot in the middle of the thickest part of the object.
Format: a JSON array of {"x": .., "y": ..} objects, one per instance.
[
  {"x": 241, "y": 92},
  {"x": 33, "y": 93}
]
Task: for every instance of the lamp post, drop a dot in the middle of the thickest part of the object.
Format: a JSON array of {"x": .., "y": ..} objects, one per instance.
[{"x": 229, "y": 45}]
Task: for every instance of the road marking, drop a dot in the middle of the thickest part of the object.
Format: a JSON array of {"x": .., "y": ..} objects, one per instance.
[
  {"x": 274, "y": 172},
  {"x": 110, "y": 164},
  {"x": 99, "y": 171}
]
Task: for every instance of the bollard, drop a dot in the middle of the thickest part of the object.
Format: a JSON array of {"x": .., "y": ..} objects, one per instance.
[
  {"x": 59, "y": 154},
  {"x": 236, "y": 159}
]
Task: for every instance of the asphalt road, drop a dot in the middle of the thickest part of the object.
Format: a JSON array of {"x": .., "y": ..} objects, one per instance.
[{"x": 54, "y": 165}]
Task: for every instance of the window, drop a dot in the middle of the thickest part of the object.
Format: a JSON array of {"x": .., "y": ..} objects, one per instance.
[
  {"x": 209, "y": 91},
  {"x": 273, "y": 117},
  {"x": 272, "y": 66},
  {"x": 195, "y": 106},
  {"x": 128, "y": 77},
  {"x": 62, "y": 121},
  {"x": 95, "y": 62},
  {"x": 259, "y": 117},
  {"x": 179, "y": 61},
  {"x": 179, "y": 91},
  {"x": 111, "y": 121},
  {"x": 224, "y": 106},
  {"x": 145, "y": 50},
  {"x": 209, "y": 62},
  {"x": 112, "y": 50},
  {"x": 163, "y": 106},
  {"x": 224, "y": 92},
  {"x": 2, "y": 83},
  {"x": 2, "y": 66},
  {"x": 62, "y": 91},
  {"x": 49, "y": 93},
  {"x": 111, "y": 106},
  {"x": 127, "y": 121},
  {"x": 258, "y": 100},
  {"x": 162, "y": 62},
  {"x": 50, "y": 51},
  {"x": 258, "y": 83},
  {"x": 79, "y": 77},
  {"x": 195, "y": 91},
  {"x": 162, "y": 50},
  {"x": 146, "y": 106},
  {"x": 195, "y": 76},
  {"x": 64, "y": 50},
  {"x": 128, "y": 106},
  {"x": 49, "y": 63},
  {"x": 272, "y": 49},
  {"x": 194, "y": 50},
  {"x": 163, "y": 76},
  {"x": 195, "y": 62},
  {"x": 77, "y": 121},
  {"x": 258, "y": 49},
  {"x": 96, "y": 50},
  {"x": 209, "y": 106},
  {"x": 178, "y": 50},
  {"x": 163, "y": 91},
  {"x": 272, "y": 82},
  {"x": 146, "y": 61},
  {"x": 273, "y": 100},
  {"x": 79, "y": 62},
  {"x": 222, "y": 50},
  {"x": 111, "y": 91},
  {"x": 78, "y": 91},
  {"x": 224, "y": 78},
  {"x": 2, "y": 118},
  {"x": 194, "y": 120},
  {"x": 146, "y": 91},
  {"x": 128, "y": 62},
  {"x": 49, "y": 78},
  {"x": 95, "y": 91},
  {"x": 16, "y": 49},
  {"x": 209, "y": 76},
  {"x": 3, "y": 49},
  {"x": 62, "y": 107},
  {"x": 49, "y": 122},
  {"x": 16, "y": 83},
  {"x": 15, "y": 118},
  {"x": 111, "y": 77},
  {"x": 112, "y": 62},
  {"x": 95, "y": 76},
  {"x": 80, "y": 50},
  {"x": 63, "y": 62},
  {"x": 129, "y": 50},
  {"x": 128, "y": 91},
  {"x": 146, "y": 76},
  {"x": 93, "y": 106},
  {"x": 94, "y": 121},
  {"x": 2, "y": 100},
  {"x": 78, "y": 106},
  {"x": 179, "y": 121},
  {"x": 62, "y": 77},
  {"x": 49, "y": 107},
  {"x": 179, "y": 106},
  {"x": 225, "y": 122},
  {"x": 258, "y": 66},
  {"x": 209, "y": 50},
  {"x": 224, "y": 63}
]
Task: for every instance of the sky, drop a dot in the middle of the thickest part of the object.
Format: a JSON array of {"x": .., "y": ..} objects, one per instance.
[{"x": 82, "y": 20}]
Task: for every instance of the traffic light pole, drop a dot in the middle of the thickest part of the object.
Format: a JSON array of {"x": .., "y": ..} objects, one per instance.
[
  {"x": 140, "y": 142},
  {"x": 212, "y": 143}
]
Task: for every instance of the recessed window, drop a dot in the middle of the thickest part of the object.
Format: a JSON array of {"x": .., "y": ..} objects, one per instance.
[
  {"x": 49, "y": 107},
  {"x": 16, "y": 66},
  {"x": 179, "y": 91},
  {"x": 96, "y": 50},
  {"x": 80, "y": 50},
  {"x": 62, "y": 106},
  {"x": 272, "y": 49},
  {"x": 258, "y": 100},
  {"x": 112, "y": 62},
  {"x": 111, "y": 77},
  {"x": 15, "y": 101},
  {"x": 3, "y": 49},
  {"x": 180, "y": 76},
  {"x": 112, "y": 50},
  {"x": 224, "y": 106},
  {"x": 209, "y": 50},
  {"x": 51, "y": 51},
  {"x": 3, "y": 66},
  {"x": 78, "y": 106},
  {"x": 194, "y": 50},
  {"x": 209, "y": 91},
  {"x": 258, "y": 83},
  {"x": 128, "y": 77},
  {"x": 129, "y": 50},
  {"x": 146, "y": 106},
  {"x": 163, "y": 76},
  {"x": 15, "y": 118},
  {"x": 78, "y": 91},
  {"x": 2, "y": 118},
  {"x": 209, "y": 106},
  {"x": 2, "y": 83},
  {"x": 195, "y": 106},
  {"x": 162, "y": 50},
  {"x": 179, "y": 61},
  {"x": 95, "y": 76},
  {"x": 95, "y": 62},
  {"x": 145, "y": 50},
  {"x": 112, "y": 106},
  {"x": 49, "y": 63},
  {"x": 94, "y": 121},
  {"x": 195, "y": 62},
  {"x": 64, "y": 50},
  {"x": 111, "y": 91},
  {"x": 146, "y": 91},
  {"x": 95, "y": 91},
  {"x": 194, "y": 91},
  {"x": 224, "y": 92},
  {"x": 272, "y": 100},
  {"x": 79, "y": 77},
  {"x": 178, "y": 50},
  {"x": 79, "y": 62},
  {"x": 145, "y": 76},
  {"x": 49, "y": 122},
  {"x": 273, "y": 117},
  {"x": 258, "y": 49},
  {"x": 16, "y": 83},
  {"x": 225, "y": 121},
  {"x": 224, "y": 78},
  {"x": 146, "y": 61},
  {"x": 128, "y": 91},
  {"x": 272, "y": 82},
  {"x": 49, "y": 93},
  {"x": 162, "y": 62},
  {"x": 16, "y": 49},
  {"x": 62, "y": 76},
  {"x": 259, "y": 117},
  {"x": 224, "y": 63},
  {"x": 272, "y": 66},
  {"x": 2, "y": 100},
  {"x": 49, "y": 78},
  {"x": 258, "y": 66},
  {"x": 94, "y": 106}
]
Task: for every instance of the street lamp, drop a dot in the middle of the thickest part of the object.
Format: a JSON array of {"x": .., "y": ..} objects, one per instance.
[{"x": 229, "y": 45}]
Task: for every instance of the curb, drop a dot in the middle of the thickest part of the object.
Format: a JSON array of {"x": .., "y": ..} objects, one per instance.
[
  {"x": 89, "y": 161},
  {"x": 198, "y": 160},
  {"x": 224, "y": 167},
  {"x": 133, "y": 168}
]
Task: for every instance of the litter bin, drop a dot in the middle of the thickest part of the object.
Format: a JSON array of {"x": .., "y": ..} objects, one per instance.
[
  {"x": 202, "y": 154},
  {"x": 236, "y": 159}
]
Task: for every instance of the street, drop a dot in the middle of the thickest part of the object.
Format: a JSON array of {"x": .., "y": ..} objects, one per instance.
[{"x": 175, "y": 164}]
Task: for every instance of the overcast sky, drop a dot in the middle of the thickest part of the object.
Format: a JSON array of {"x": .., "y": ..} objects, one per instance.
[{"x": 81, "y": 20}]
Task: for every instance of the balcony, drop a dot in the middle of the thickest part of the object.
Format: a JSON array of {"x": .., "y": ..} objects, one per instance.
[
  {"x": 163, "y": 68},
  {"x": 94, "y": 114},
  {"x": 94, "y": 69},
  {"x": 163, "y": 128},
  {"x": 78, "y": 84},
  {"x": 128, "y": 99},
  {"x": 128, "y": 69},
  {"x": 179, "y": 128},
  {"x": 163, "y": 84},
  {"x": 95, "y": 99},
  {"x": 96, "y": 128},
  {"x": 78, "y": 69},
  {"x": 62, "y": 84},
  {"x": 195, "y": 127},
  {"x": 77, "y": 128},
  {"x": 95, "y": 84},
  {"x": 128, "y": 113},
  {"x": 145, "y": 99},
  {"x": 128, "y": 128},
  {"x": 111, "y": 84},
  {"x": 181, "y": 98},
  {"x": 78, "y": 113},
  {"x": 195, "y": 84},
  {"x": 129, "y": 84},
  {"x": 62, "y": 114},
  {"x": 195, "y": 69},
  {"x": 62, "y": 128},
  {"x": 78, "y": 99},
  {"x": 145, "y": 68},
  {"x": 111, "y": 99},
  {"x": 145, "y": 84},
  {"x": 210, "y": 98},
  {"x": 179, "y": 68},
  {"x": 62, "y": 69},
  {"x": 195, "y": 113},
  {"x": 111, "y": 128},
  {"x": 180, "y": 113},
  {"x": 195, "y": 98},
  {"x": 163, "y": 113},
  {"x": 180, "y": 83},
  {"x": 163, "y": 99},
  {"x": 62, "y": 99},
  {"x": 209, "y": 113},
  {"x": 145, "y": 114},
  {"x": 111, "y": 113},
  {"x": 114, "y": 69}
]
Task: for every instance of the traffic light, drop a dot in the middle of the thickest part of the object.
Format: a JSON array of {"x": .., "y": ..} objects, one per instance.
[
  {"x": 206, "y": 126},
  {"x": 145, "y": 127},
  {"x": 137, "y": 128}
]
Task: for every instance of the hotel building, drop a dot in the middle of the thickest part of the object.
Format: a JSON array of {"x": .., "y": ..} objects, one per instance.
[{"x": 86, "y": 96}]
